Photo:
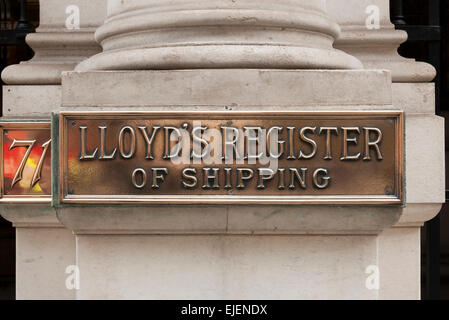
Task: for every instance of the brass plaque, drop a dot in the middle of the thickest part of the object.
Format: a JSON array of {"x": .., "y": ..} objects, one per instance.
[
  {"x": 231, "y": 157},
  {"x": 25, "y": 162}
]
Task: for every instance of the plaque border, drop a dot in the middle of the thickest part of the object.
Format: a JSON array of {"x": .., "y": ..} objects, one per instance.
[
  {"x": 64, "y": 116},
  {"x": 21, "y": 124}
]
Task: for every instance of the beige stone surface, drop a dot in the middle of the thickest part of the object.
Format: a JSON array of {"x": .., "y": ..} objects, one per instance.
[
  {"x": 44, "y": 249},
  {"x": 425, "y": 166},
  {"x": 320, "y": 220},
  {"x": 415, "y": 214},
  {"x": 228, "y": 89},
  {"x": 53, "y": 13},
  {"x": 30, "y": 215},
  {"x": 414, "y": 97},
  {"x": 269, "y": 220},
  {"x": 400, "y": 264},
  {"x": 42, "y": 256},
  {"x": 225, "y": 267},
  {"x": 31, "y": 102}
]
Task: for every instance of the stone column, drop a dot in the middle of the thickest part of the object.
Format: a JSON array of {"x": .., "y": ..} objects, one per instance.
[
  {"x": 376, "y": 46},
  {"x": 224, "y": 55},
  {"x": 44, "y": 248},
  {"x": 234, "y": 55}
]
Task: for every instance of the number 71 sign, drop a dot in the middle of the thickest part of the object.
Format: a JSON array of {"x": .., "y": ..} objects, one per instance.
[{"x": 25, "y": 162}]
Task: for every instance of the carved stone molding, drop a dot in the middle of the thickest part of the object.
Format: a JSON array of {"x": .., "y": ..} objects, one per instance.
[
  {"x": 376, "y": 46},
  {"x": 58, "y": 48},
  {"x": 284, "y": 34}
]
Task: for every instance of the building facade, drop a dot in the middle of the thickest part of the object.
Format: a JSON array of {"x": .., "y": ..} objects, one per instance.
[{"x": 84, "y": 235}]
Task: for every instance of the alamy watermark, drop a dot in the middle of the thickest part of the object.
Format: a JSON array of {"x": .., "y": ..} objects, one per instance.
[
  {"x": 372, "y": 21},
  {"x": 372, "y": 282},
  {"x": 72, "y": 21},
  {"x": 72, "y": 282}
]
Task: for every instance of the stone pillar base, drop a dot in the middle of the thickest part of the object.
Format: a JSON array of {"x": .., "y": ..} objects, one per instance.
[{"x": 231, "y": 252}]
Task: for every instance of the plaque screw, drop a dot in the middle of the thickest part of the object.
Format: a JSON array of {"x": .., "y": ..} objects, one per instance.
[
  {"x": 73, "y": 123},
  {"x": 71, "y": 191},
  {"x": 229, "y": 123},
  {"x": 388, "y": 191},
  {"x": 6, "y": 132}
]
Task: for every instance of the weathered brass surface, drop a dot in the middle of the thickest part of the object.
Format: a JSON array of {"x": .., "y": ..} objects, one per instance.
[
  {"x": 310, "y": 157},
  {"x": 25, "y": 162}
]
